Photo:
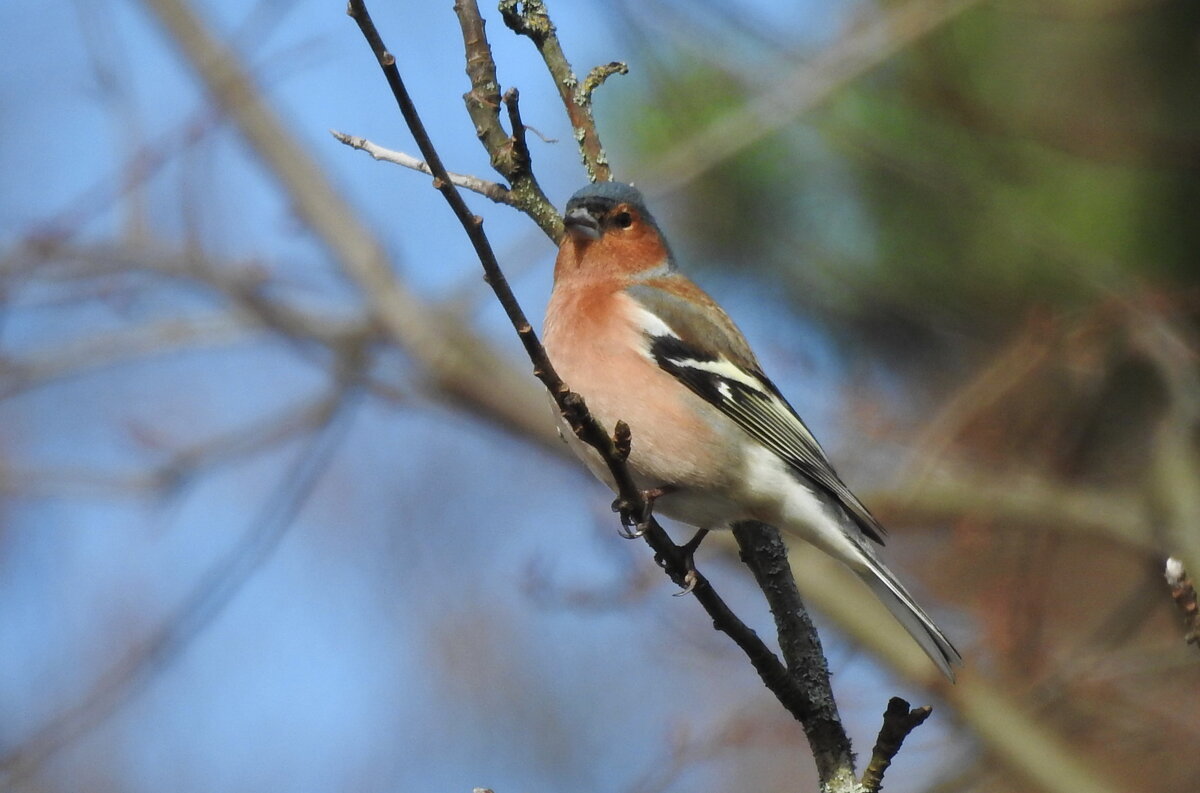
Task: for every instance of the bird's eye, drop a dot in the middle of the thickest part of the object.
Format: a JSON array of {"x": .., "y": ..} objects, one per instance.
[{"x": 623, "y": 219}]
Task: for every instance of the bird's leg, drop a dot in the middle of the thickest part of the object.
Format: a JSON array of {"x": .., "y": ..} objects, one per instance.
[
  {"x": 634, "y": 526},
  {"x": 691, "y": 577}
]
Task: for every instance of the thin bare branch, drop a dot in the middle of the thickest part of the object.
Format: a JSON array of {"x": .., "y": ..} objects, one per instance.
[
  {"x": 496, "y": 192},
  {"x": 180, "y": 466},
  {"x": 97, "y": 351},
  {"x": 1018, "y": 501}
]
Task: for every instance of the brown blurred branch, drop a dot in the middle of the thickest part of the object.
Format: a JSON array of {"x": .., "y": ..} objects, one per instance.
[
  {"x": 692, "y": 745},
  {"x": 1120, "y": 140},
  {"x": 142, "y": 164},
  {"x": 219, "y": 585},
  {"x": 97, "y": 351},
  {"x": 462, "y": 366},
  {"x": 241, "y": 284},
  {"x": 1175, "y": 460},
  {"x": 180, "y": 465},
  {"x": 1018, "y": 501},
  {"x": 987, "y": 387},
  {"x": 147, "y": 159}
]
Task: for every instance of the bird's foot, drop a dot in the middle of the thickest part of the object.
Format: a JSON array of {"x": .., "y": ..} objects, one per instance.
[
  {"x": 629, "y": 525},
  {"x": 633, "y": 524},
  {"x": 691, "y": 578}
]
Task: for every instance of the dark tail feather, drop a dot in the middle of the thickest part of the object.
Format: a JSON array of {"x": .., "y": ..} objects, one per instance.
[{"x": 914, "y": 619}]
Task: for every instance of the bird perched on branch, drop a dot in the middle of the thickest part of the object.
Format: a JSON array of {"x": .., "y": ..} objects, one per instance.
[{"x": 713, "y": 441}]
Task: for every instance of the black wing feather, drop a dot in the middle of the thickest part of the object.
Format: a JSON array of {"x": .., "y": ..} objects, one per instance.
[{"x": 762, "y": 412}]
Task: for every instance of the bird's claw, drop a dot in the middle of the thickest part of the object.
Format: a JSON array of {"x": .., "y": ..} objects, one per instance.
[
  {"x": 690, "y": 579},
  {"x": 631, "y": 532},
  {"x": 633, "y": 525}
]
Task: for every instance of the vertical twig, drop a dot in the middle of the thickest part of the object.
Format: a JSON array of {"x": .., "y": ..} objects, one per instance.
[
  {"x": 532, "y": 20},
  {"x": 508, "y": 154},
  {"x": 898, "y": 721}
]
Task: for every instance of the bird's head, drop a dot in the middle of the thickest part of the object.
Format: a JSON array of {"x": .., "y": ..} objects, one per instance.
[{"x": 610, "y": 232}]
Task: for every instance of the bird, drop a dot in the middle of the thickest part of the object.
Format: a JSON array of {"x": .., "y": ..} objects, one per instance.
[{"x": 713, "y": 441}]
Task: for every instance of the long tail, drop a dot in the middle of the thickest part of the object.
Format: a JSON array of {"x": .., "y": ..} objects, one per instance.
[{"x": 911, "y": 616}]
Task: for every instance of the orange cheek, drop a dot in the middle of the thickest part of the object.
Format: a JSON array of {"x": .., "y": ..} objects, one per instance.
[
  {"x": 631, "y": 252},
  {"x": 614, "y": 254}
]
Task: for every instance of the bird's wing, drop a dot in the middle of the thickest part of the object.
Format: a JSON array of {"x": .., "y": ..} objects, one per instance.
[{"x": 692, "y": 339}]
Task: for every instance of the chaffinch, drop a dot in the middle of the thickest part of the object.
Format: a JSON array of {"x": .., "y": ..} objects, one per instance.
[{"x": 713, "y": 439}]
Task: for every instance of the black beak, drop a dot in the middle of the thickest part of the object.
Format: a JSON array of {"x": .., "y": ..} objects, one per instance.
[{"x": 581, "y": 224}]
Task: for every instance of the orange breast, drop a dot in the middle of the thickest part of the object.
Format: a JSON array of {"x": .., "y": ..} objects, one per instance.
[{"x": 595, "y": 344}]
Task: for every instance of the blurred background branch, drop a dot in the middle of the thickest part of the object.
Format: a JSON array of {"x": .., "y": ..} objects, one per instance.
[
  {"x": 462, "y": 366},
  {"x": 327, "y": 424}
]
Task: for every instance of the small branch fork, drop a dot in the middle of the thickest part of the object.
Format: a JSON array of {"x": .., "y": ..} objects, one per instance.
[
  {"x": 509, "y": 153},
  {"x": 802, "y": 686}
]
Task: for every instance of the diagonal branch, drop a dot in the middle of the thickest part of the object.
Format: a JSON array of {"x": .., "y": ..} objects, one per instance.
[
  {"x": 460, "y": 364},
  {"x": 861, "y": 50}
]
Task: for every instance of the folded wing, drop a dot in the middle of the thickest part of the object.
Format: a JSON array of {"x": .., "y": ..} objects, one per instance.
[{"x": 713, "y": 360}]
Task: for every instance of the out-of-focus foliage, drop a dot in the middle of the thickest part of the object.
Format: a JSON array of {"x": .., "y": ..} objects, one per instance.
[{"x": 1025, "y": 155}]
